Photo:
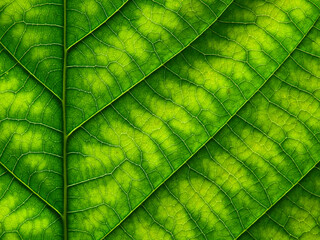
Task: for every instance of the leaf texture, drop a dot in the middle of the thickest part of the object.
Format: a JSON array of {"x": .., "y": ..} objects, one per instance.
[
  {"x": 139, "y": 119},
  {"x": 265, "y": 150},
  {"x": 299, "y": 208},
  {"x": 140, "y": 38}
]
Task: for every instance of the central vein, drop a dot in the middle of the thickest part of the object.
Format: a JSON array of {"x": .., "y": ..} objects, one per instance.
[{"x": 64, "y": 120}]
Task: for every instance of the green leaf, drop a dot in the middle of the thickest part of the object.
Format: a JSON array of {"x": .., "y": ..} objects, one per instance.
[
  {"x": 139, "y": 119},
  {"x": 296, "y": 215}
]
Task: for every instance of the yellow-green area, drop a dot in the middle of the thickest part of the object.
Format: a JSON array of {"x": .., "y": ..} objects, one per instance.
[
  {"x": 296, "y": 215},
  {"x": 23, "y": 215},
  {"x": 30, "y": 139},
  {"x": 136, "y": 41},
  {"x": 32, "y": 31},
  {"x": 83, "y": 17},
  {"x": 176, "y": 119},
  {"x": 260, "y": 155}
]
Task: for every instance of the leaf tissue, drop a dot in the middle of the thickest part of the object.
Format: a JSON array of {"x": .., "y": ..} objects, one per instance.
[{"x": 159, "y": 119}]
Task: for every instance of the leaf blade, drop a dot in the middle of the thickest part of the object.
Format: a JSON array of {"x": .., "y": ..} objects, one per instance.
[
  {"x": 126, "y": 60},
  {"x": 106, "y": 10},
  {"x": 295, "y": 205},
  {"x": 97, "y": 141},
  {"x": 204, "y": 180},
  {"x": 34, "y": 37},
  {"x": 30, "y": 135},
  {"x": 23, "y": 215},
  {"x": 143, "y": 164}
]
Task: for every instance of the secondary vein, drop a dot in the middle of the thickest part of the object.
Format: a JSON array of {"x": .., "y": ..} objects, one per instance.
[
  {"x": 228, "y": 120},
  {"x": 24, "y": 184},
  {"x": 96, "y": 28},
  {"x": 28, "y": 71},
  {"x": 161, "y": 65},
  {"x": 275, "y": 203}
]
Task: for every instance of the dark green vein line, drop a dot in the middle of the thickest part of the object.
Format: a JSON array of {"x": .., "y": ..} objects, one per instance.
[
  {"x": 27, "y": 186},
  {"x": 64, "y": 120},
  {"x": 96, "y": 28},
  {"x": 226, "y": 122},
  {"x": 161, "y": 65},
  {"x": 28, "y": 71},
  {"x": 275, "y": 203}
]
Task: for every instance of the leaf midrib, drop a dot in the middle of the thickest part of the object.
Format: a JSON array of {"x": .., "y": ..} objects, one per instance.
[{"x": 64, "y": 119}]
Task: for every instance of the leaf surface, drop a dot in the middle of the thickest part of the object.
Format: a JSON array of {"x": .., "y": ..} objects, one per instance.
[
  {"x": 194, "y": 119},
  {"x": 259, "y": 157},
  {"x": 300, "y": 207}
]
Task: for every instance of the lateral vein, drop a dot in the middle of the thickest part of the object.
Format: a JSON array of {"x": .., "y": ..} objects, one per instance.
[
  {"x": 161, "y": 65},
  {"x": 97, "y": 27},
  {"x": 27, "y": 186},
  {"x": 275, "y": 203},
  {"x": 216, "y": 131},
  {"x": 28, "y": 71}
]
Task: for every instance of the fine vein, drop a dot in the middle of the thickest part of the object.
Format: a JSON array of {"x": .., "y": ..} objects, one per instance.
[
  {"x": 275, "y": 203},
  {"x": 215, "y": 132},
  {"x": 86, "y": 35},
  {"x": 104, "y": 107},
  {"x": 26, "y": 185},
  {"x": 28, "y": 71}
]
